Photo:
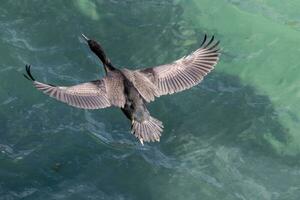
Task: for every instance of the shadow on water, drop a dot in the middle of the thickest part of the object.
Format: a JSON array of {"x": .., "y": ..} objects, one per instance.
[
  {"x": 214, "y": 144},
  {"x": 228, "y": 112}
]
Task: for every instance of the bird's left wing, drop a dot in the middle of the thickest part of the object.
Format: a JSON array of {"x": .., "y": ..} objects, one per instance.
[
  {"x": 90, "y": 95},
  {"x": 185, "y": 72}
]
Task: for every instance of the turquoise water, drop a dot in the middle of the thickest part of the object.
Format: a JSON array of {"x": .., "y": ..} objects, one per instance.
[{"x": 235, "y": 136}]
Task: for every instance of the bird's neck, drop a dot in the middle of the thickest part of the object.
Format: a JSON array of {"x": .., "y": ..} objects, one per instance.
[
  {"x": 108, "y": 68},
  {"x": 104, "y": 59}
]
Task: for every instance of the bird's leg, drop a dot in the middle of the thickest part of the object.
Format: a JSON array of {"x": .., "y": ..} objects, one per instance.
[{"x": 132, "y": 122}]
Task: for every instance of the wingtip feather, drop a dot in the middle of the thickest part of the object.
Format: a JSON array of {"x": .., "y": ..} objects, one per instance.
[
  {"x": 29, "y": 75},
  {"x": 204, "y": 40}
]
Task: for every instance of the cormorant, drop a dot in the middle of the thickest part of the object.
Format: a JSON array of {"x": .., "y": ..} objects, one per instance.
[{"x": 131, "y": 90}]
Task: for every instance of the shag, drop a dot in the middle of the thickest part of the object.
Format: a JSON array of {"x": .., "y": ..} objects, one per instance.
[{"x": 131, "y": 90}]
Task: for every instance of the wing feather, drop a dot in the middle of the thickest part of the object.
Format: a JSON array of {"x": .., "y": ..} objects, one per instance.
[
  {"x": 143, "y": 85},
  {"x": 187, "y": 71},
  {"x": 90, "y": 95}
]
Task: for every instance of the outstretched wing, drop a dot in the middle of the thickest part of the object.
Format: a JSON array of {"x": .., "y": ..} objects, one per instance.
[
  {"x": 185, "y": 72},
  {"x": 90, "y": 95}
]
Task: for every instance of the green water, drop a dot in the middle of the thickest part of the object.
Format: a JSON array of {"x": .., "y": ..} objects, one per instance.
[{"x": 233, "y": 137}]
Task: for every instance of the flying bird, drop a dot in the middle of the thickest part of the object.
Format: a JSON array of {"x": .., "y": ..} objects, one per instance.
[{"x": 131, "y": 90}]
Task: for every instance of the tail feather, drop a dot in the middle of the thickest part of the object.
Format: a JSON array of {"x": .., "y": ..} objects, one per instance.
[{"x": 148, "y": 131}]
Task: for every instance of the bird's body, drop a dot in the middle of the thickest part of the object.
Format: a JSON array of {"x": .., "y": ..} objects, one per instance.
[{"x": 131, "y": 90}]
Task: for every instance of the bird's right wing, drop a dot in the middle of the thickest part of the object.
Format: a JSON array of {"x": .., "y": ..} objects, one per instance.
[{"x": 91, "y": 95}]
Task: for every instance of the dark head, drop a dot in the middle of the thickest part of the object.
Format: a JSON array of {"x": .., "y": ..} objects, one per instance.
[
  {"x": 98, "y": 50},
  {"x": 94, "y": 46}
]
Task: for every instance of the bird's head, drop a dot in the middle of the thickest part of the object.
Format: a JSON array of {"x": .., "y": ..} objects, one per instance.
[
  {"x": 98, "y": 50},
  {"x": 94, "y": 46}
]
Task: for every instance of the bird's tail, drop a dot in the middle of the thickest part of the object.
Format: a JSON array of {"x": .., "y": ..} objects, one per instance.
[{"x": 149, "y": 130}]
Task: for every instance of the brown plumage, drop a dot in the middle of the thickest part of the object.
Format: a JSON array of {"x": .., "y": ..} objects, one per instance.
[{"x": 130, "y": 90}]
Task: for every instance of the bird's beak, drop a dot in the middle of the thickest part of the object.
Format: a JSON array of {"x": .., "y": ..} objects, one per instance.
[{"x": 85, "y": 38}]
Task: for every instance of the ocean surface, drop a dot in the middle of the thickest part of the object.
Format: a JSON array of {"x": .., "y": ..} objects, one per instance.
[{"x": 235, "y": 136}]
